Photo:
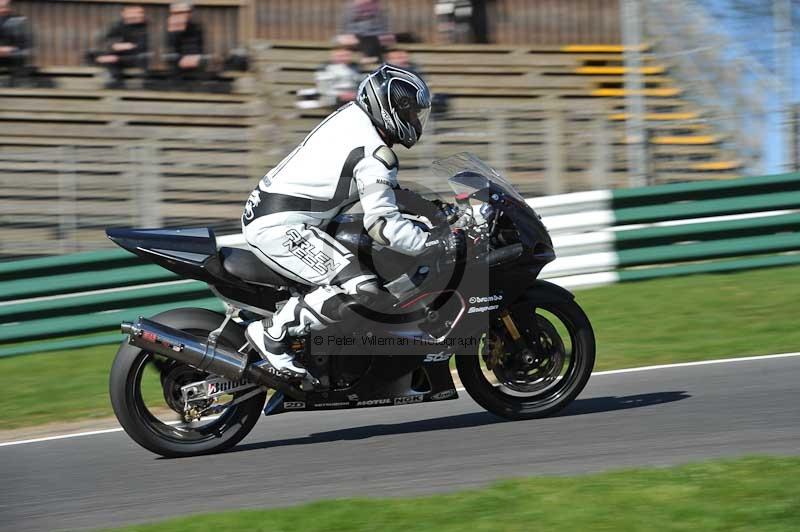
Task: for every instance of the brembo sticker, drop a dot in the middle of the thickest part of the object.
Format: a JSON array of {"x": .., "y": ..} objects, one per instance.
[{"x": 485, "y": 299}]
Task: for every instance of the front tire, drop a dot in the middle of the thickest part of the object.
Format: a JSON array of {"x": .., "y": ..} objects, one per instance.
[
  {"x": 504, "y": 398},
  {"x": 169, "y": 440}
]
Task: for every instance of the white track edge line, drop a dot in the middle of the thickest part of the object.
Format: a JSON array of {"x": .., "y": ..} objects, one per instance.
[
  {"x": 60, "y": 437},
  {"x": 461, "y": 389},
  {"x": 698, "y": 363}
]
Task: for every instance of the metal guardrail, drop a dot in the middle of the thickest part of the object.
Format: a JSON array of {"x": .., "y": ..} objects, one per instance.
[
  {"x": 645, "y": 233},
  {"x": 59, "y": 199}
]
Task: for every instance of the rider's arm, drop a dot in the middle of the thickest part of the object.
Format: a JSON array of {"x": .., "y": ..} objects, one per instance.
[{"x": 376, "y": 177}]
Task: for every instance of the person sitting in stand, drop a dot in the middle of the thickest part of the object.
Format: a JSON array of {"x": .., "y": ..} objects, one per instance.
[
  {"x": 184, "y": 43},
  {"x": 125, "y": 45},
  {"x": 440, "y": 102},
  {"x": 366, "y": 26},
  {"x": 401, "y": 58},
  {"x": 337, "y": 82},
  {"x": 15, "y": 44}
]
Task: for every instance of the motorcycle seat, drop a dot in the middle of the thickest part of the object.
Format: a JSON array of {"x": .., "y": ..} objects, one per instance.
[{"x": 247, "y": 267}]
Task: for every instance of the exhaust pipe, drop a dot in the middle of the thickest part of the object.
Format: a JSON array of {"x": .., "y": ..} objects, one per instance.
[
  {"x": 201, "y": 354},
  {"x": 185, "y": 347}
]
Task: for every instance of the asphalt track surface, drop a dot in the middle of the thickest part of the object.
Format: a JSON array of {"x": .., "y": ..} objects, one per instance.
[{"x": 658, "y": 417}]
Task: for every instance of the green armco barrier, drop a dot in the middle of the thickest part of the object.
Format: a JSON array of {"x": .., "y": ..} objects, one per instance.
[
  {"x": 114, "y": 298},
  {"x": 632, "y": 238},
  {"x": 78, "y": 282},
  {"x": 53, "y": 299},
  {"x": 21, "y": 269},
  {"x": 60, "y": 345},
  {"x": 743, "y": 186},
  {"x": 731, "y": 247},
  {"x": 643, "y": 274},
  {"x": 98, "y": 321},
  {"x": 704, "y": 208}
]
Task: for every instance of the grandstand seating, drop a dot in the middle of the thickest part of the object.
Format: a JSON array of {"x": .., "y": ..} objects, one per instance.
[
  {"x": 525, "y": 85},
  {"x": 79, "y": 158}
]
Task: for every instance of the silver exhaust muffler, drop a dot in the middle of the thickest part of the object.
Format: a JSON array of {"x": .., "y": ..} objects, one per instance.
[{"x": 184, "y": 347}]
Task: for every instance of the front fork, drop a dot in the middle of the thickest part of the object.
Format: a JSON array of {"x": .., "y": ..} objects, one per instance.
[{"x": 523, "y": 347}]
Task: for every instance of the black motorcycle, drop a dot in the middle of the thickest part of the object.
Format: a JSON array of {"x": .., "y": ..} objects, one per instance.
[{"x": 187, "y": 382}]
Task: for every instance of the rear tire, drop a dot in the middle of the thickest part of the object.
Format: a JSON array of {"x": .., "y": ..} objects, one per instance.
[
  {"x": 150, "y": 433},
  {"x": 493, "y": 398}
]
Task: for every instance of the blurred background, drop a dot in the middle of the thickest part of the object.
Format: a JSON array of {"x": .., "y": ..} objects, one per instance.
[
  {"x": 658, "y": 139},
  {"x": 165, "y": 114}
]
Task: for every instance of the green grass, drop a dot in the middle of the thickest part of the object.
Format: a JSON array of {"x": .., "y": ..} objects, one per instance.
[
  {"x": 57, "y": 386},
  {"x": 668, "y": 320},
  {"x": 693, "y": 318},
  {"x": 743, "y": 495}
]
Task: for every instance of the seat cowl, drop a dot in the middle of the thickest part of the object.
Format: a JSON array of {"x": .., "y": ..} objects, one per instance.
[
  {"x": 191, "y": 240},
  {"x": 246, "y": 266}
]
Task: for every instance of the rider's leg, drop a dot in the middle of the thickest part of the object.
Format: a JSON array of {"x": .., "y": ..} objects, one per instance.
[
  {"x": 310, "y": 256},
  {"x": 311, "y": 312}
]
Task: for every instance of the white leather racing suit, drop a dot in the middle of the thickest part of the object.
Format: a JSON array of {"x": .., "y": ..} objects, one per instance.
[{"x": 342, "y": 161}]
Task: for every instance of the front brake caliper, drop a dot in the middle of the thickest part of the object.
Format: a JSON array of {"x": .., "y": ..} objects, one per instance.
[{"x": 493, "y": 351}]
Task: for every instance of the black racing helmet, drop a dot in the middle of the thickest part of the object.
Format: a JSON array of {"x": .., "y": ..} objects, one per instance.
[{"x": 398, "y": 102}]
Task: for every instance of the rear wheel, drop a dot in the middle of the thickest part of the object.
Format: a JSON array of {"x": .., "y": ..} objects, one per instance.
[
  {"x": 146, "y": 395},
  {"x": 543, "y": 371}
]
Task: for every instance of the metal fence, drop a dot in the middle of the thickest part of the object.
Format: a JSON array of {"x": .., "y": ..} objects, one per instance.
[{"x": 59, "y": 199}]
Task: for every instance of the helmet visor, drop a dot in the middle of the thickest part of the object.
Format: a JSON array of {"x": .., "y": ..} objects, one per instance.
[
  {"x": 416, "y": 118},
  {"x": 423, "y": 116}
]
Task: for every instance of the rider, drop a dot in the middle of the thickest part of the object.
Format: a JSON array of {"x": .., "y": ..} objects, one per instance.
[{"x": 346, "y": 158}]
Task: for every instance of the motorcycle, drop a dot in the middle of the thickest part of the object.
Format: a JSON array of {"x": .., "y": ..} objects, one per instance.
[{"x": 186, "y": 382}]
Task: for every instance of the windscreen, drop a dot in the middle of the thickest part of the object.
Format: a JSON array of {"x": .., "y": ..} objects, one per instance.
[{"x": 467, "y": 173}]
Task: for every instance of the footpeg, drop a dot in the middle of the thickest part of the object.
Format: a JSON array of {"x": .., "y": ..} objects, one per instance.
[{"x": 310, "y": 383}]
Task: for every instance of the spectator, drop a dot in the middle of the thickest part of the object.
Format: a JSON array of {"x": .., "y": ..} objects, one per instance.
[
  {"x": 184, "y": 42},
  {"x": 462, "y": 21},
  {"x": 337, "y": 82},
  {"x": 401, "y": 58},
  {"x": 440, "y": 102},
  {"x": 479, "y": 23},
  {"x": 15, "y": 44},
  {"x": 124, "y": 45},
  {"x": 366, "y": 26}
]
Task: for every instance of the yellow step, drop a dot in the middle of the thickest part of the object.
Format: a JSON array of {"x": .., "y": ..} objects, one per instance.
[
  {"x": 663, "y": 92},
  {"x": 685, "y": 140},
  {"x": 717, "y": 165},
  {"x": 658, "y": 116},
  {"x": 614, "y": 70},
  {"x": 600, "y": 48}
]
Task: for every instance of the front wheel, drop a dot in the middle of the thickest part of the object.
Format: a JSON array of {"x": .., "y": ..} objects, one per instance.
[
  {"x": 541, "y": 371},
  {"x": 146, "y": 394}
]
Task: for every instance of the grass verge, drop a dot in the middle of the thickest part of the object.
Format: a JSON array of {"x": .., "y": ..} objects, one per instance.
[
  {"x": 738, "y": 495},
  {"x": 692, "y": 318},
  {"x": 655, "y": 322}
]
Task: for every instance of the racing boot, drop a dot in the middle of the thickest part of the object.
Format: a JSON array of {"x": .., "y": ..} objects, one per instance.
[{"x": 276, "y": 352}]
